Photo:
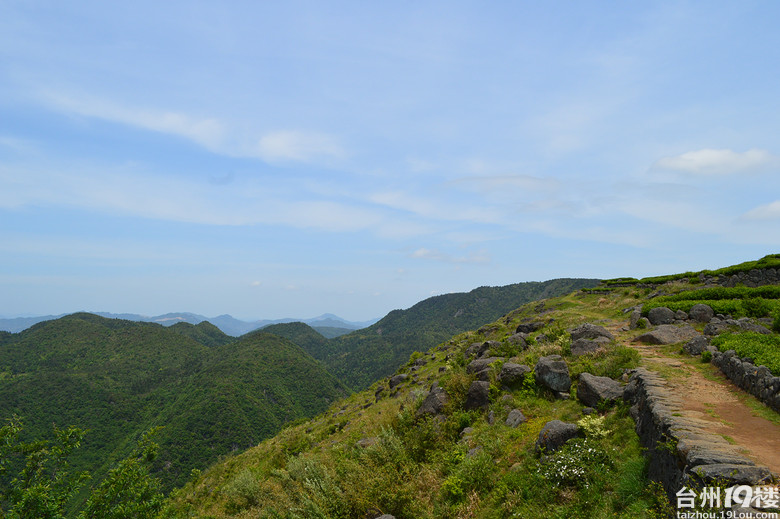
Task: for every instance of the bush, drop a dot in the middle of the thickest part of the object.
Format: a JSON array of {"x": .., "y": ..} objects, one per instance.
[
  {"x": 706, "y": 356},
  {"x": 576, "y": 464},
  {"x": 763, "y": 349},
  {"x": 756, "y": 307}
]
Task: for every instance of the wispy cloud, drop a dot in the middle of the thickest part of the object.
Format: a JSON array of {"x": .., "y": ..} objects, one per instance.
[
  {"x": 714, "y": 162},
  {"x": 770, "y": 211},
  {"x": 213, "y": 134},
  {"x": 208, "y": 132},
  {"x": 131, "y": 191},
  {"x": 501, "y": 183},
  {"x": 437, "y": 255},
  {"x": 298, "y": 146}
]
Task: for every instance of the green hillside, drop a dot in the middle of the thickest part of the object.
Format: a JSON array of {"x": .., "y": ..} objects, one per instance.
[
  {"x": 205, "y": 333},
  {"x": 361, "y": 357},
  {"x": 392, "y": 449},
  {"x": 119, "y": 378},
  {"x": 313, "y": 342},
  {"x": 374, "y": 453}
]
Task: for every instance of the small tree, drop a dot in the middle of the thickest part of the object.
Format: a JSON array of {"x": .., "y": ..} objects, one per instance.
[
  {"x": 129, "y": 491},
  {"x": 44, "y": 487}
]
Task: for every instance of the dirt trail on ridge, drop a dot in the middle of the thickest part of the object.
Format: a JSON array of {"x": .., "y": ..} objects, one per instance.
[{"x": 715, "y": 401}]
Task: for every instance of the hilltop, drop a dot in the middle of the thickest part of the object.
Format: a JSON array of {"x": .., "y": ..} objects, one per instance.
[
  {"x": 361, "y": 357},
  {"x": 550, "y": 410}
]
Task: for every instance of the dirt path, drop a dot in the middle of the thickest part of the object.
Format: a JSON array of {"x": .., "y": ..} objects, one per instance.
[{"x": 718, "y": 402}]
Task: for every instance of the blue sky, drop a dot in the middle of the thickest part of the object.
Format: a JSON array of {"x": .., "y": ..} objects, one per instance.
[{"x": 286, "y": 159}]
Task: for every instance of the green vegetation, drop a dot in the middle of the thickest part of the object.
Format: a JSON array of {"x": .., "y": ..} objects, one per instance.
[
  {"x": 769, "y": 261},
  {"x": 763, "y": 349},
  {"x": 361, "y": 357},
  {"x": 218, "y": 401},
  {"x": 205, "y": 333},
  {"x": 119, "y": 378},
  {"x": 761, "y": 301},
  {"x": 38, "y": 482},
  {"x": 371, "y": 456},
  {"x": 312, "y": 342}
]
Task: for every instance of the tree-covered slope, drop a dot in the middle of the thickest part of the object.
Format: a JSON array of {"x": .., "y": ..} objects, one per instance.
[
  {"x": 313, "y": 342},
  {"x": 204, "y": 332},
  {"x": 361, "y": 357},
  {"x": 119, "y": 378}
]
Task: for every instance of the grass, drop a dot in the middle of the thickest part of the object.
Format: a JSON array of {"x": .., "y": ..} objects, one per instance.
[{"x": 421, "y": 467}]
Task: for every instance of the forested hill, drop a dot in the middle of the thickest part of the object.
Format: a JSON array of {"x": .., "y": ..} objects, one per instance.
[
  {"x": 212, "y": 393},
  {"x": 366, "y": 355}
]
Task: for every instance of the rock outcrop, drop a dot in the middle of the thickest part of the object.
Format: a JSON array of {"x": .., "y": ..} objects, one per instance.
[
  {"x": 554, "y": 434},
  {"x": 668, "y": 334},
  {"x": 478, "y": 395},
  {"x": 553, "y": 373},
  {"x": 592, "y": 390},
  {"x": 512, "y": 375}
]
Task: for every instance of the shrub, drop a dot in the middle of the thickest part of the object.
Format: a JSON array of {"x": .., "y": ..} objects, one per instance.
[
  {"x": 763, "y": 349},
  {"x": 756, "y": 307},
  {"x": 706, "y": 356},
  {"x": 593, "y": 426},
  {"x": 576, "y": 464}
]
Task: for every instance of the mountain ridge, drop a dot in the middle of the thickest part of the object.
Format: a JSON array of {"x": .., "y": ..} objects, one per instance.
[{"x": 225, "y": 322}]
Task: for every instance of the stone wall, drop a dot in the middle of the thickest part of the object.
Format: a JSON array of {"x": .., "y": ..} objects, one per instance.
[
  {"x": 680, "y": 450},
  {"x": 758, "y": 381},
  {"x": 750, "y": 278}
]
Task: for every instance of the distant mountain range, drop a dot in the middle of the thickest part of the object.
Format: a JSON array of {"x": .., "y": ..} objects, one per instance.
[{"x": 328, "y": 325}]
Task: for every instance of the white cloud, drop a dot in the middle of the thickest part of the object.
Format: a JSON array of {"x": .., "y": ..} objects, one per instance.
[
  {"x": 208, "y": 132},
  {"x": 211, "y": 133},
  {"x": 130, "y": 191},
  {"x": 770, "y": 211},
  {"x": 716, "y": 162},
  {"x": 297, "y": 146}
]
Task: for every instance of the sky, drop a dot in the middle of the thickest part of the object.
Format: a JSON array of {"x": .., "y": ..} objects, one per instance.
[{"x": 288, "y": 159}]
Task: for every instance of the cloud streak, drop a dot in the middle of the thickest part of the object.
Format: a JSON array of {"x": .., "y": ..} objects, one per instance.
[
  {"x": 211, "y": 133},
  {"x": 717, "y": 162}
]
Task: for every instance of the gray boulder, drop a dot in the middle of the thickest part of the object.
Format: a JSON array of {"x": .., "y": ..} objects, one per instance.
[
  {"x": 590, "y": 331},
  {"x": 515, "y": 418},
  {"x": 749, "y": 326},
  {"x": 701, "y": 313},
  {"x": 397, "y": 379},
  {"x": 660, "y": 315},
  {"x": 668, "y": 334},
  {"x": 518, "y": 339},
  {"x": 553, "y": 373},
  {"x": 513, "y": 374},
  {"x": 716, "y": 328},
  {"x": 477, "y": 349},
  {"x": 636, "y": 315},
  {"x": 592, "y": 389},
  {"x": 554, "y": 434},
  {"x": 583, "y": 346},
  {"x": 481, "y": 364},
  {"x": 528, "y": 327},
  {"x": 696, "y": 345},
  {"x": 478, "y": 395},
  {"x": 434, "y": 402}
]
